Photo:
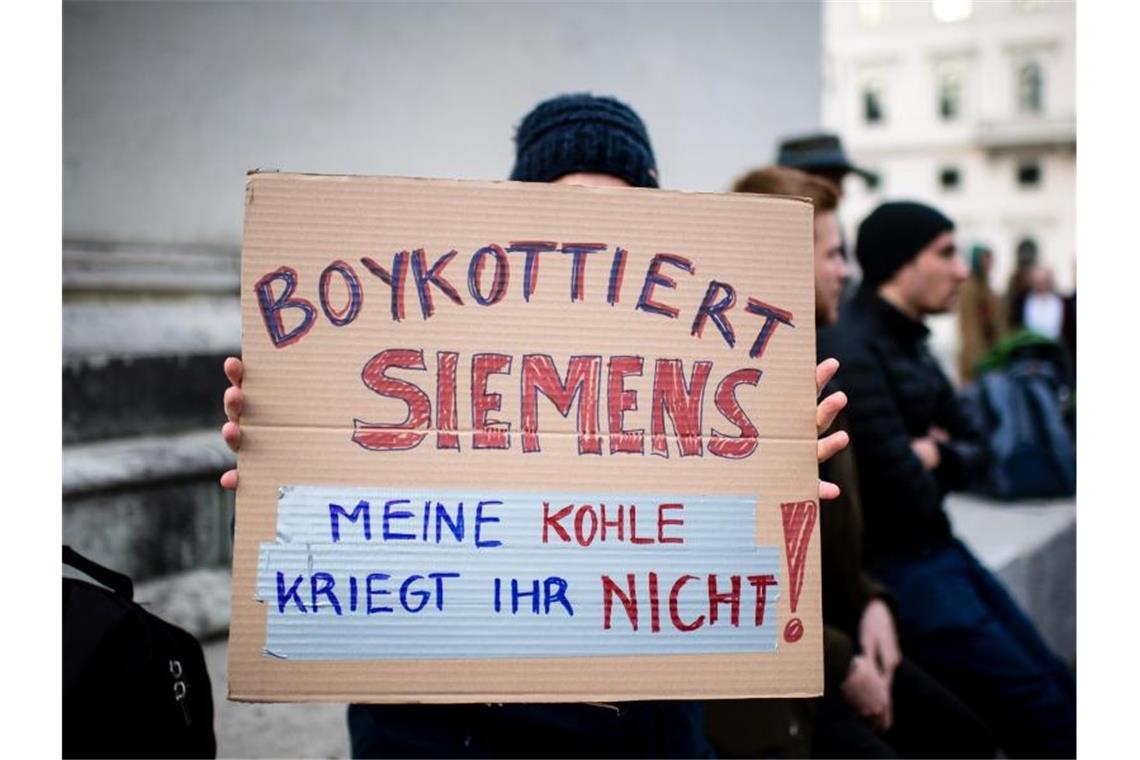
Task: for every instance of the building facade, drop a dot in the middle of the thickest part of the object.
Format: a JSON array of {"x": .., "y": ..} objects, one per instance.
[{"x": 968, "y": 106}]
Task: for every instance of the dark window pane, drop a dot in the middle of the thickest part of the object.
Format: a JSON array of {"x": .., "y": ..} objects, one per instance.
[
  {"x": 1030, "y": 88},
  {"x": 1028, "y": 174},
  {"x": 872, "y": 106},
  {"x": 949, "y": 178},
  {"x": 949, "y": 98}
]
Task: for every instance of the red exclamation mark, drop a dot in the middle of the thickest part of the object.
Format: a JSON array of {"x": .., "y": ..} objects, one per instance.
[{"x": 799, "y": 519}]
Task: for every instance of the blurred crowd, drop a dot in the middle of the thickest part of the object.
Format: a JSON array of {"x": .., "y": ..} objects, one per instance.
[{"x": 1030, "y": 303}]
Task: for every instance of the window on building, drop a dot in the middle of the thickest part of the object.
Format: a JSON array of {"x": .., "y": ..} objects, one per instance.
[
  {"x": 949, "y": 97},
  {"x": 1028, "y": 174},
  {"x": 1026, "y": 249},
  {"x": 949, "y": 178},
  {"x": 1030, "y": 88},
  {"x": 873, "y": 110}
]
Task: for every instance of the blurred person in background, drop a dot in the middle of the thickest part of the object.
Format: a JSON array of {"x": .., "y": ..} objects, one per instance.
[
  {"x": 876, "y": 702},
  {"x": 822, "y": 155},
  {"x": 595, "y": 142},
  {"x": 981, "y": 322},
  {"x": 1018, "y": 286},
  {"x": 1069, "y": 324},
  {"x": 1044, "y": 309},
  {"x": 913, "y": 443}
]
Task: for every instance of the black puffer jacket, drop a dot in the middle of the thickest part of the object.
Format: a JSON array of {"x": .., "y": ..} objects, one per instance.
[{"x": 897, "y": 393}]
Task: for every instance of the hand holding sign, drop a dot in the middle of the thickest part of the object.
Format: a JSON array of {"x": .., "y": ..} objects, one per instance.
[
  {"x": 825, "y": 414},
  {"x": 232, "y": 401}
]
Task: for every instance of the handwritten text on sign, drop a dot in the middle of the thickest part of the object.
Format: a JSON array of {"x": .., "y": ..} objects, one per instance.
[
  {"x": 416, "y": 574},
  {"x": 288, "y": 317}
]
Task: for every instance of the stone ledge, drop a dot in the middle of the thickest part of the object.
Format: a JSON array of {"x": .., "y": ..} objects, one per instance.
[
  {"x": 197, "y": 600},
  {"x": 138, "y": 268},
  {"x": 123, "y": 463},
  {"x": 155, "y": 529},
  {"x": 95, "y": 330},
  {"x": 125, "y": 397},
  {"x": 272, "y": 729},
  {"x": 1031, "y": 547}
]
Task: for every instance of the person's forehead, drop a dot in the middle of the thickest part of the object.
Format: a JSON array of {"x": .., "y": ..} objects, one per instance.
[
  {"x": 591, "y": 179},
  {"x": 943, "y": 240},
  {"x": 827, "y": 221}
]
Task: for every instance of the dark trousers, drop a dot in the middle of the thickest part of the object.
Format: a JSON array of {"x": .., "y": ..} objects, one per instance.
[
  {"x": 960, "y": 624},
  {"x": 928, "y": 721},
  {"x": 627, "y": 729}
]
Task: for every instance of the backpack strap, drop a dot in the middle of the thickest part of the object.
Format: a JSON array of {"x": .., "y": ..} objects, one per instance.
[{"x": 117, "y": 582}]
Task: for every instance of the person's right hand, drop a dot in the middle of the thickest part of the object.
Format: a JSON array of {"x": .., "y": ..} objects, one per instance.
[
  {"x": 867, "y": 692},
  {"x": 231, "y": 430},
  {"x": 926, "y": 449}
]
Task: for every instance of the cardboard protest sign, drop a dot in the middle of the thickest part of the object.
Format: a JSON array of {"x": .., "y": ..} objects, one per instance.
[{"x": 515, "y": 442}]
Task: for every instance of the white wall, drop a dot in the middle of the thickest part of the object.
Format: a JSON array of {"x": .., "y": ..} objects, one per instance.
[{"x": 167, "y": 105}]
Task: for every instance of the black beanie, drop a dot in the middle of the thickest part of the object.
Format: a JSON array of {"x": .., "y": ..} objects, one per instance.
[
  {"x": 583, "y": 133},
  {"x": 894, "y": 234}
]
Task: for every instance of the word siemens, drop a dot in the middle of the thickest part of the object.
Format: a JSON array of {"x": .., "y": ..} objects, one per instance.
[
  {"x": 574, "y": 524},
  {"x": 673, "y": 395}
]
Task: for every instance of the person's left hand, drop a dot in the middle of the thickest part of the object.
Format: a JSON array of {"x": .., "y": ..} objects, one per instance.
[
  {"x": 938, "y": 435},
  {"x": 878, "y": 638},
  {"x": 232, "y": 402},
  {"x": 825, "y": 414}
]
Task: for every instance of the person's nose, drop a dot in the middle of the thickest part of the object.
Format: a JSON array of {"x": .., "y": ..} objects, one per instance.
[
  {"x": 960, "y": 271},
  {"x": 844, "y": 271}
]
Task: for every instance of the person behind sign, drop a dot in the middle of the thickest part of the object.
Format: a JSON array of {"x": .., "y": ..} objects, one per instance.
[
  {"x": 876, "y": 702},
  {"x": 912, "y": 443},
  {"x": 576, "y": 140}
]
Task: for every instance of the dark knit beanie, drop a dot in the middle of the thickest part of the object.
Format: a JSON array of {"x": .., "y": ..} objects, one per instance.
[
  {"x": 583, "y": 133},
  {"x": 894, "y": 234}
]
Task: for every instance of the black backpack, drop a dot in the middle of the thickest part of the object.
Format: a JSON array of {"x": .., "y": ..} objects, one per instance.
[
  {"x": 1021, "y": 409},
  {"x": 133, "y": 684}
]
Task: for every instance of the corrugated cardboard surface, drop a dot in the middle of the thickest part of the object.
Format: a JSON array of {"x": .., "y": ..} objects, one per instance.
[{"x": 301, "y": 400}]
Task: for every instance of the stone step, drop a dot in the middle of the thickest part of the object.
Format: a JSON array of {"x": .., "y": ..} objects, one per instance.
[
  {"x": 196, "y": 600},
  {"x": 149, "y": 506},
  {"x": 1032, "y": 547},
  {"x": 145, "y": 331},
  {"x": 119, "y": 267},
  {"x": 132, "y": 396},
  {"x": 266, "y": 729}
]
